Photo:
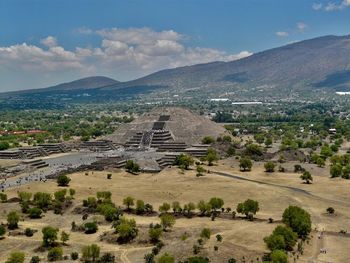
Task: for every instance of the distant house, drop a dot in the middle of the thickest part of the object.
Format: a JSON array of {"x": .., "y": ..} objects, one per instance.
[{"x": 332, "y": 131}]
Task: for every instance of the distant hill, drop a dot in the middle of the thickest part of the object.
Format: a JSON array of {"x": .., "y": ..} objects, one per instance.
[
  {"x": 297, "y": 68},
  {"x": 85, "y": 83},
  {"x": 322, "y": 62},
  {"x": 80, "y": 84}
]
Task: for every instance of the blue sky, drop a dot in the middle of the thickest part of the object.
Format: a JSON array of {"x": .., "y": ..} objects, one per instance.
[{"x": 47, "y": 42}]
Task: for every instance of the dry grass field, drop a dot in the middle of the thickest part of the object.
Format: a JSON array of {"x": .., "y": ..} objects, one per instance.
[{"x": 240, "y": 237}]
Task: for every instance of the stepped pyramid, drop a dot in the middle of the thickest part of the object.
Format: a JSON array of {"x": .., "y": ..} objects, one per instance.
[{"x": 178, "y": 126}]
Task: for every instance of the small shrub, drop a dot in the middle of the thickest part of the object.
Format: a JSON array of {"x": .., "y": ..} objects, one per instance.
[
  {"x": 330, "y": 210},
  {"x": 63, "y": 180},
  {"x": 35, "y": 259},
  {"x": 29, "y": 232},
  {"x": 35, "y": 213},
  {"x": 74, "y": 255},
  {"x": 55, "y": 254},
  {"x": 90, "y": 227},
  {"x": 16, "y": 257}
]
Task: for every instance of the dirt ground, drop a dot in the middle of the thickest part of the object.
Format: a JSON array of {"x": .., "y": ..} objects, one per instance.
[{"x": 241, "y": 238}]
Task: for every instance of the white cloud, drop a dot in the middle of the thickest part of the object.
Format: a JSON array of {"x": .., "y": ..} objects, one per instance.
[
  {"x": 33, "y": 58},
  {"x": 332, "y": 6},
  {"x": 301, "y": 26},
  {"x": 49, "y": 41},
  {"x": 282, "y": 34},
  {"x": 317, "y": 6},
  {"x": 138, "y": 36},
  {"x": 122, "y": 53}
]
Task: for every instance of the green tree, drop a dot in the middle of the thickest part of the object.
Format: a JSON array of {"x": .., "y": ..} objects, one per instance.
[
  {"x": 307, "y": 177},
  {"x": 245, "y": 164},
  {"x": 167, "y": 221},
  {"x": 2, "y": 231},
  {"x": 90, "y": 227},
  {"x": 104, "y": 196},
  {"x": 204, "y": 207},
  {"x": 166, "y": 258},
  {"x": 346, "y": 172},
  {"x": 109, "y": 211},
  {"x": 290, "y": 238},
  {"x": 330, "y": 210},
  {"x": 200, "y": 170},
  {"x": 269, "y": 167},
  {"x": 49, "y": 235},
  {"x": 326, "y": 151},
  {"x": 16, "y": 257},
  {"x": 205, "y": 233},
  {"x": 42, "y": 200},
  {"x": 176, "y": 207},
  {"x": 231, "y": 151},
  {"x": 155, "y": 233},
  {"x": 216, "y": 203},
  {"x": 164, "y": 208},
  {"x": 184, "y": 161},
  {"x": 212, "y": 156},
  {"x": 12, "y": 220},
  {"x": 259, "y": 138},
  {"x": 320, "y": 162},
  {"x": 35, "y": 212},
  {"x": 35, "y": 259},
  {"x": 188, "y": 208},
  {"x": 90, "y": 253},
  {"x": 282, "y": 238},
  {"x": 275, "y": 242},
  {"x": 253, "y": 149},
  {"x": 24, "y": 196},
  {"x": 128, "y": 202},
  {"x": 268, "y": 142},
  {"x": 64, "y": 237},
  {"x": 126, "y": 229},
  {"x": 55, "y": 253},
  {"x": 249, "y": 207},
  {"x": 63, "y": 180},
  {"x": 71, "y": 192},
  {"x": 60, "y": 195},
  {"x": 140, "y": 207},
  {"x": 208, "y": 140},
  {"x": 336, "y": 170},
  {"x": 197, "y": 260},
  {"x": 3, "y": 198},
  {"x": 298, "y": 220},
  {"x": 279, "y": 256},
  {"x": 132, "y": 166}
]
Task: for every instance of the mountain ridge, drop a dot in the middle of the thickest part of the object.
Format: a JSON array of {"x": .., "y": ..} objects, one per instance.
[{"x": 318, "y": 63}]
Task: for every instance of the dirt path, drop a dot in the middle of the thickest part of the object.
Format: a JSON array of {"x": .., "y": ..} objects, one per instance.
[
  {"x": 318, "y": 245},
  {"x": 124, "y": 256},
  {"x": 291, "y": 188}
]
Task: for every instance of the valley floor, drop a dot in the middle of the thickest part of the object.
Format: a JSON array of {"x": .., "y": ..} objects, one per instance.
[{"x": 241, "y": 238}]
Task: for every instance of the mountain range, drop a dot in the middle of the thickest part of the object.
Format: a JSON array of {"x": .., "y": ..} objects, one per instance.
[{"x": 321, "y": 63}]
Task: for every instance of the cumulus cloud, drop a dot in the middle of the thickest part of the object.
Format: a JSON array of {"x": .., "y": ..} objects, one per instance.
[
  {"x": 282, "y": 34},
  {"x": 33, "y": 58},
  {"x": 332, "y": 6},
  {"x": 49, "y": 41},
  {"x": 122, "y": 53}
]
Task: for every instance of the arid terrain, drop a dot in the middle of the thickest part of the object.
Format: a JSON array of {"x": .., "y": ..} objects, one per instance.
[{"x": 241, "y": 238}]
